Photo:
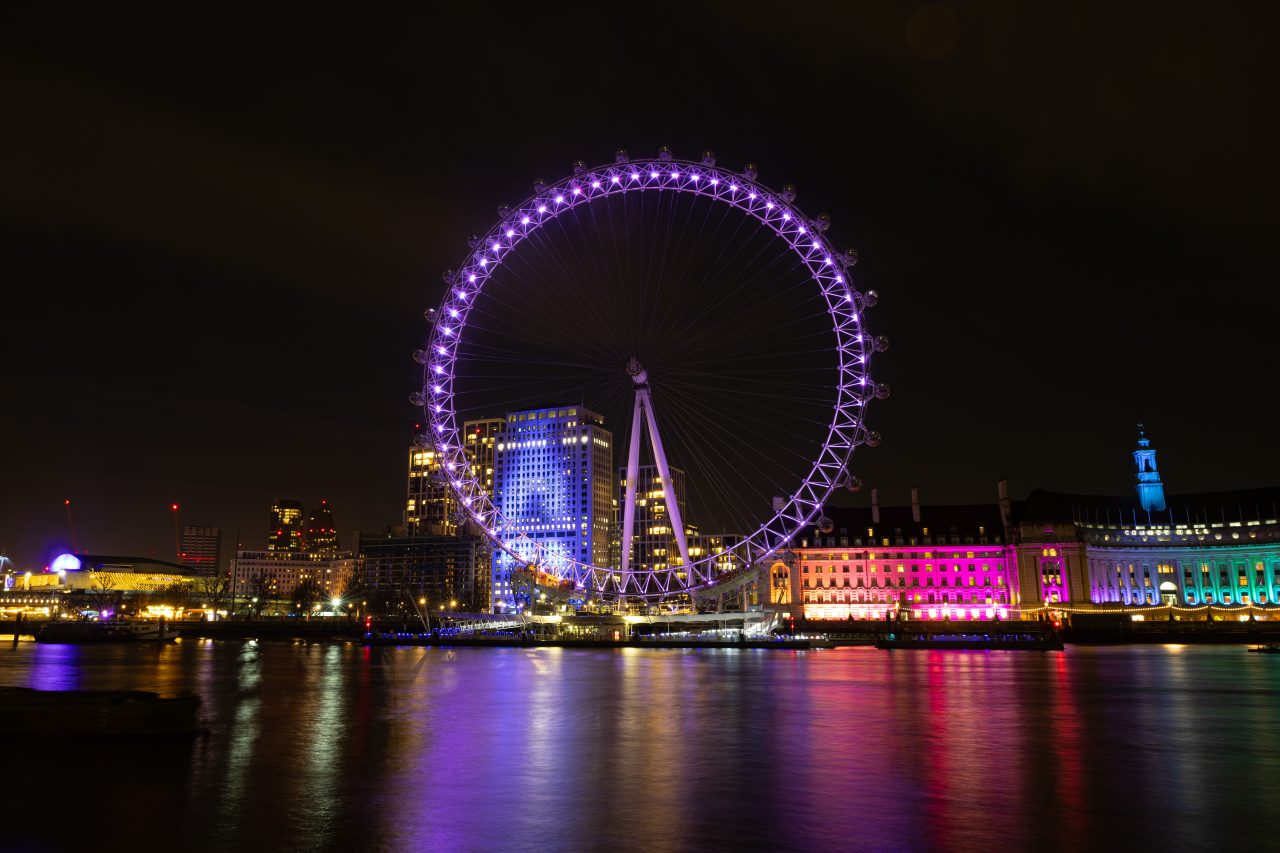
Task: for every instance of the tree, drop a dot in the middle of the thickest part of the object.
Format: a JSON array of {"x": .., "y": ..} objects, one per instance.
[
  {"x": 175, "y": 594},
  {"x": 214, "y": 589},
  {"x": 259, "y": 590},
  {"x": 305, "y": 595},
  {"x": 104, "y": 585}
]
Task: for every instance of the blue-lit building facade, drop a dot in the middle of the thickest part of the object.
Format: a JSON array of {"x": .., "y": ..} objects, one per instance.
[{"x": 553, "y": 483}]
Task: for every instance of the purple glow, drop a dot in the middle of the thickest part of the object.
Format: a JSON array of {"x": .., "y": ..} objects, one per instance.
[
  {"x": 577, "y": 190},
  {"x": 524, "y": 220},
  {"x": 635, "y": 176},
  {"x": 542, "y": 208},
  {"x": 497, "y": 246},
  {"x": 441, "y": 350},
  {"x": 595, "y": 185},
  {"x": 559, "y": 199},
  {"x": 453, "y": 312},
  {"x": 653, "y": 174},
  {"x": 510, "y": 233},
  {"x": 616, "y": 179},
  {"x": 472, "y": 278},
  {"x": 65, "y": 563}
]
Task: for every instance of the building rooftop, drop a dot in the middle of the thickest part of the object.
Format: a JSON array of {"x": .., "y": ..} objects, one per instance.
[
  {"x": 938, "y": 525},
  {"x": 1123, "y": 511}
]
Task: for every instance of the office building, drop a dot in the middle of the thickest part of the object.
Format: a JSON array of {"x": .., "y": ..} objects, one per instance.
[
  {"x": 278, "y": 574},
  {"x": 322, "y": 535},
  {"x": 286, "y": 532},
  {"x": 553, "y": 483},
  {"x": 444, "y": 570},
  {"x": 201, "y": 549}
]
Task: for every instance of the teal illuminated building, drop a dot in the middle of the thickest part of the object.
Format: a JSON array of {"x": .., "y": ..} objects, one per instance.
[
  {"x": 1150, "y": 489},
  {"x": 1218, "y": 548}
]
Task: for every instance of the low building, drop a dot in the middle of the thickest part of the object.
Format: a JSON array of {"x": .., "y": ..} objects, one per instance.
[{"x": 278, "y": 574}]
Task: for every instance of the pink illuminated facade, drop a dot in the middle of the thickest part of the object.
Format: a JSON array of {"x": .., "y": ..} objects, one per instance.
[{"x": 941, "y": 562}]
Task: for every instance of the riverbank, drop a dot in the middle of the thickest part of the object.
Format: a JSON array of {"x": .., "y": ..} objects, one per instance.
[{"x": 1092, "y": 629}]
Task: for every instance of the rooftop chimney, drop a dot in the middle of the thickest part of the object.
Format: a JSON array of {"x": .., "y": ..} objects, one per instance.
[
  {"x": 875, "y": 506},
  {"x": 915, "y": 505},
  {"x": 1006, "y": 512}
]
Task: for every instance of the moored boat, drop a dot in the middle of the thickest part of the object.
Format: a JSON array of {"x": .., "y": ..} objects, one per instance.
[{"x": 103, "y": 632}]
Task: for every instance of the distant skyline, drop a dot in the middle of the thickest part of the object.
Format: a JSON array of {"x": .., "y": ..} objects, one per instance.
[{"x": 219, "y": 240}]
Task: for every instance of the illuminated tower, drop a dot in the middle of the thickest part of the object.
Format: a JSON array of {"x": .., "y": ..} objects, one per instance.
[
  {"x": 1150, "y": 489},
  {"x": 201, "y": 548},
  {"x": 481, "y": 438},
  {"x": 430, "y": 506},
  {"x": 322, "y": 536},
  {"x": 285, "y": 533},
  {"x": 552, "y": 483}
]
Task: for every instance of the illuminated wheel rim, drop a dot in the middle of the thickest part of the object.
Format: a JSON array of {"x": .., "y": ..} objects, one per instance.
[{"x": 829, "y": 272}]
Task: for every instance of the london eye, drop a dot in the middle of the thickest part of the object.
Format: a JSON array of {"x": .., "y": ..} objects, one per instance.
[{"x": 698, "y": 317}]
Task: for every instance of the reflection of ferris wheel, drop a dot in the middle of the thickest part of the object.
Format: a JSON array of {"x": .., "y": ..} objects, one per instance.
[{"x": 601, "y": 226}]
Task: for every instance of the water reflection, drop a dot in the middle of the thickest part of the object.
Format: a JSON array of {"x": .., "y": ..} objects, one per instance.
[{"x": 339, "y": 747}]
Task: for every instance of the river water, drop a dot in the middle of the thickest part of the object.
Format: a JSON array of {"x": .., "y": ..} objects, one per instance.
[{"x": 324, "y": 746}]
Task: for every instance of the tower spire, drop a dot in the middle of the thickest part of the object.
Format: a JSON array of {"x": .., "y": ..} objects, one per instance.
[{"x": 1149, "y": 487}]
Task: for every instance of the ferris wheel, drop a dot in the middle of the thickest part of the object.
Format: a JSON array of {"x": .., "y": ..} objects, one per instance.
[{"x": 687, "y": 297}]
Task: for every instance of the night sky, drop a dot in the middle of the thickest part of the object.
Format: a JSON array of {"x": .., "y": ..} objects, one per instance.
[{"x": 220, "y": 230}]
